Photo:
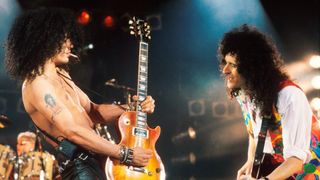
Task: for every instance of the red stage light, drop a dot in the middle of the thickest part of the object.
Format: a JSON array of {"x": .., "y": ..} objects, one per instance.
[
  {"x": 108, "y": 21},
  {"x": 84, "y": 17}
]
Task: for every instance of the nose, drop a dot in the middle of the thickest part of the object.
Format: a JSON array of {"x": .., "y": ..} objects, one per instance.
[
  {"x": 69, "y": 44},
  {"x": 226, "y": 69}
]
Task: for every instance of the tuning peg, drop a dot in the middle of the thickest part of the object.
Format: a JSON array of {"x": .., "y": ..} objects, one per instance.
[
  {"x": 130, "y": 22},
  {"x": 132, "y": 32}
]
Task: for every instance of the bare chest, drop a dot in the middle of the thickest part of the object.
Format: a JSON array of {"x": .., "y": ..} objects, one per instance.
[{"x": 68, "y": 92}]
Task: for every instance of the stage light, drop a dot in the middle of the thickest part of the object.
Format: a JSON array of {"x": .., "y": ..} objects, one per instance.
[
  {"x": 154, "y": 21},
  {"x": 220, "y": 109},
  {"x": 315, "y": 61},
  {"x": 316, "y": 82},
  {"x": 85, "y": 48},
  {"x": 84, "y": 17},
  {"x": 90, "y": 46},
  {"x": 123, "y": 22},
  {"x": 315, "y": 104},
  {"x": 190, "y": 158},
  {"x": 109, "y": 21},
  {"x": 183, "y": 136},
  {"x": 196, "y": 107}
]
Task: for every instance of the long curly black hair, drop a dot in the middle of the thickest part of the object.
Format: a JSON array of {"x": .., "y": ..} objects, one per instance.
[
  {"x": 258, "y": 62},
  {"x": 36, "y": 36}
]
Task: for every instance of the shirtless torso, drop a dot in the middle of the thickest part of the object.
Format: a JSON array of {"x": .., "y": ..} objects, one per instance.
[
  {"x": 71, "y": 99},
  {"x": 59, "y": 107}
]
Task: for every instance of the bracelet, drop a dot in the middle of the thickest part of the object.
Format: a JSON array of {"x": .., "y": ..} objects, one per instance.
[
  {"x": 122, "y": 153},
  {"x": 126, "y": 155}
]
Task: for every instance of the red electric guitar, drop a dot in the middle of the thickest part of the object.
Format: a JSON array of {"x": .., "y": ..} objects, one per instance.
[{"x": 133, "y": 126}]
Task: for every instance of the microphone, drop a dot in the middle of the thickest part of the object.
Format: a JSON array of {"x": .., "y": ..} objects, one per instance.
[
  {"x": 111, "y": 82},
  {"x": 190, "y": 158},
  {"x": 183, "y": 136}
]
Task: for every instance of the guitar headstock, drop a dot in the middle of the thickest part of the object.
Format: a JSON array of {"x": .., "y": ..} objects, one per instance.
[{"x": 140, "y": 28}]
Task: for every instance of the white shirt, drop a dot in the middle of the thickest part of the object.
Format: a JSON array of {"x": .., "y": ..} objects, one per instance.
[{"x": 296, "y": 120}]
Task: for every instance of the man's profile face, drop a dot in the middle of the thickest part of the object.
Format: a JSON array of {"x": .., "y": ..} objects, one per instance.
[
  {"x": 63, "y": 56},
  {"x": 230, "y": 70},
  {"x": 25, "y": 145}
]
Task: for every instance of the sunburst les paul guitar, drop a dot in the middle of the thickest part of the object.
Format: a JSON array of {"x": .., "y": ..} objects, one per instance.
[{"x": 133, "y": 126}]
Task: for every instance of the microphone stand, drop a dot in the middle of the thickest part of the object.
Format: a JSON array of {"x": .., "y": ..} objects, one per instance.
[
  {"x": 16, "y": 168},
  {"x": 42, "y": 170},
  {"x": 126, "y": 91}
]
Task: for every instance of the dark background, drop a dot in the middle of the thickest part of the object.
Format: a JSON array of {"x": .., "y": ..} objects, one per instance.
[{"x": 183, "y": 70}]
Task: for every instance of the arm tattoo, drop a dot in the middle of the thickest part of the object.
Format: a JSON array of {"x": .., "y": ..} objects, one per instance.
[{"x": 51, "y": 103}]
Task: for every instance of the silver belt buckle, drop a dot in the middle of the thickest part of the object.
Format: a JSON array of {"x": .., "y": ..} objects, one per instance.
[
  {"x": 63, "y": 165},
  {"x": 83, "y": 157}
]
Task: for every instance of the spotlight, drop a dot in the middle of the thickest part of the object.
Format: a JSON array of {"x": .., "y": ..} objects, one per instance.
[
  {"x": 181, "y": 137},
  {"x": 315, "y": 104},
  {"x": 220, "y": 109},
  {"x": 90, "y": 46},
  {"x": 123, "y": 22},
  {"x": 108, "y": 21},
  {"x": 196, "y": 107},
  {"x": 316, "y": 82},
  {"x": 190, "y": 158},
  {"x": 154, "y": 21},
  {"x": 84, "y": 17},
  {"x": 315, "y": 61}
]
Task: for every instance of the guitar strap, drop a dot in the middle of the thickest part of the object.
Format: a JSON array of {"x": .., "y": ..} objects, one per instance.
[
  {"x": 47, "y": 135},
  {"x": 259, "y": 155},
  {"x": 65, "y": 147}
]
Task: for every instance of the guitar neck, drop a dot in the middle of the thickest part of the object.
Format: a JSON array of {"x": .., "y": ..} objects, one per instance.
[{"x": 142, "y": 86}]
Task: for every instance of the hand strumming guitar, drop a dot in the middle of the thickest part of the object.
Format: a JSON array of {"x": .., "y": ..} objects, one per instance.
[{"x": 141, "y": 156}]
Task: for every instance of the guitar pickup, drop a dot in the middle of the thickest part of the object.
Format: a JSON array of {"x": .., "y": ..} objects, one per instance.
[{"x": 140, "y": 132}]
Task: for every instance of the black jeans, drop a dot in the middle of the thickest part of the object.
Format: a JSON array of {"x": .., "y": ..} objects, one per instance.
[{"x": 88, "y": 169}]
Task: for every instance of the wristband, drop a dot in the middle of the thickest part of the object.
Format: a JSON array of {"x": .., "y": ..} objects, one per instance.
[{"x": 126, "y": 155}]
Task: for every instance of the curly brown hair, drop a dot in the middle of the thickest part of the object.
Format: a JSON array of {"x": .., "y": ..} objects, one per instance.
[
  {"x": 36, "y": 36},
  {"x": 258, "y": 62}
]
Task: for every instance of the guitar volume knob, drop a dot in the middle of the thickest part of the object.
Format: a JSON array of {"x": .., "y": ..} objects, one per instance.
[{"x": 158, "y": 170}]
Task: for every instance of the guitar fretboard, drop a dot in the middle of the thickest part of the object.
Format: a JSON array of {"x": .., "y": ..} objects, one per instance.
[{"x": 142, "y": 83}]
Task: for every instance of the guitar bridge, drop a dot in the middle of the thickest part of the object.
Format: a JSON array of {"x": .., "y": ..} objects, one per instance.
[{"x": 141, "y": 170}]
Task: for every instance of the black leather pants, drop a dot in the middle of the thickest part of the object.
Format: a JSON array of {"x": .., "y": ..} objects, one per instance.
[{"x": 88, "y": 169}]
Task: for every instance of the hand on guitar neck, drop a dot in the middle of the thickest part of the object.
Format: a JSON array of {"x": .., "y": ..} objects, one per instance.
[{"x": 147, "y": 105}]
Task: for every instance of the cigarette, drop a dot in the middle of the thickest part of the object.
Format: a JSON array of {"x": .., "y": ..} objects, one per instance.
[{"x": 73, "y": 55}]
